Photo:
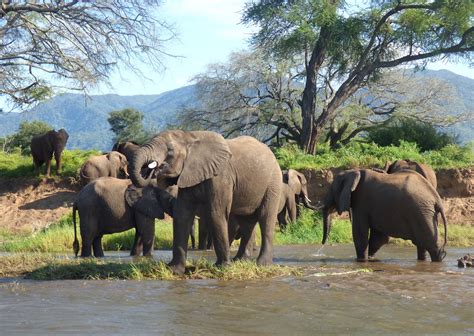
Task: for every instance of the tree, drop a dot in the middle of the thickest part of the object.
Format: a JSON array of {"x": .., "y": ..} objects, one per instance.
[
  {"x": 127, "y": 125},
  {"x": 26, "y": 131},
  {"x": 75, "y": 43},
  {"x": 257, "y": 95},
  {"x": 248, "y": 95},
  {"x": 347, "y": 48}
]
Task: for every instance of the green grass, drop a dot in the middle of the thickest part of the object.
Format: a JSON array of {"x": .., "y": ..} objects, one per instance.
[
  {"x": 58, "y": 237},
  {"x": 17, "y": 165},
  {"x": 369, "y": 155},
  {"x": 49, "y": 267}
]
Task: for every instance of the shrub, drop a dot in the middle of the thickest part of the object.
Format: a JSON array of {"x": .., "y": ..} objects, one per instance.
[
  {"x": 26, "y": 131},
  {"x": 426, "y": 136}
]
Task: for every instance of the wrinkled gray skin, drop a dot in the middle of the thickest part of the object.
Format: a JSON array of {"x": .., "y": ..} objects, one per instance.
[
  {"x": 109, "y": 205},
  {"x": 425, "y": 170},
  {"x": 402, "y": 205},
  {"x": 44, "y": 146},
  {"x": 222, "y": 177},
  {"x": 173, "y": 191},
  {"x": 127, "y": 148},
  {"x": 109, "y": 164}
]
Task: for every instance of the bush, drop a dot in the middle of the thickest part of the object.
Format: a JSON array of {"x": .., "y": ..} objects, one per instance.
[
  {"x": 426, "y": 136},
  {"x": 357, "y": 154}
]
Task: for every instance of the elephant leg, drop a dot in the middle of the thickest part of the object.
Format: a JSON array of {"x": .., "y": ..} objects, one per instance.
[
  {"x": 57, "y": 157},
  {"x": 86, "y": 250},
  {"x": 421, "y": 253},
  {"x": 292, "y": 209},
  {"x": 203, "y": 234},
  {"x": 88, "y": 229},
  {"x": 360, "y": 233},
  {"x": 193, "y": 236},
  {"x": 146, "y": 231},
  {"x": 137, "y": 247},
  {"x": 182, "y": 221},
  {"x": 282, "y": 219},
  {"x": 267, "y": 219},
  {"x": 48, "y": 167},
  {"x": 247, "y": 242},
  {"x": 220, "y": 238},
  {"x": 97, "y": 246},
  {"x": 376, "y": 241}
]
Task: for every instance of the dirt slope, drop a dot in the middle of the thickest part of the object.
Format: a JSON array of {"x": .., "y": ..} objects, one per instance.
[{"x": 29, "y": 205}]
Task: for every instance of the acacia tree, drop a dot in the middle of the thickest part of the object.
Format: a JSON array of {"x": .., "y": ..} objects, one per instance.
[
  {"x": 347, "y": 47},
  {"x": 75, "y": 43},
  {"x": 255, "y": 95},
  {"x": 127, "y": 124}
]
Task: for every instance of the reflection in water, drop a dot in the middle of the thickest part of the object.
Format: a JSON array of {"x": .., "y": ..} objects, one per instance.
[{"x": 401, "y": 295}]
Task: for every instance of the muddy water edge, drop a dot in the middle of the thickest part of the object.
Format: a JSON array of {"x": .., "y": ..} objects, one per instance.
[{"x": 335, "y": 295}]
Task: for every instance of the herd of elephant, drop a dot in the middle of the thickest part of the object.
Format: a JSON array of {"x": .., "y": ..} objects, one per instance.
[{"x": 231, "y": 184}]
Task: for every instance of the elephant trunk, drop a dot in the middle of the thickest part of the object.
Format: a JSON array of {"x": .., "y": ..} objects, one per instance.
[
  {"x": 326, "y": 224},
  {"x": 151, "y": 151}
]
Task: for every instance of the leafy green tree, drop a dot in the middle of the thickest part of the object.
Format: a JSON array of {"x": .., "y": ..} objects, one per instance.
[
  {"x": 426, "y": 136},
  {"x": 26, "y": 131},
  {"x": 127, "y": 124},
  {"x": 347, "y": 47}
]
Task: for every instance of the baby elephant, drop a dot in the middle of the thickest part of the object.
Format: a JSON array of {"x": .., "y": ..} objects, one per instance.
[
  {"x": 109, "y": 164},
  {"x": 110, "y": 205}
]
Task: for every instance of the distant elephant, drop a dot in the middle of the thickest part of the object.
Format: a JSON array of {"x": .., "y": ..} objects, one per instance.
[
  {"x": 295, "y": 191},
  {"x": 421, "y": 168},
  {"x": 127, "y": 148},
  {"x": 224, "y": 177},
  {"x": 109, "y": 164},
  {"x": 43, "y": 146},
  {"x": 109, "y": 205},
  {"x": 402, "y": 205}
]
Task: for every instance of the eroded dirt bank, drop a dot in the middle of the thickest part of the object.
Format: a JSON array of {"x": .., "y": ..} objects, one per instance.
[{"x": 27, "y": 204}]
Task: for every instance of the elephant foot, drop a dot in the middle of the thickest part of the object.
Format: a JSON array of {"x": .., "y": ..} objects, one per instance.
[
  {"x": 373, "y": 259},
  {"x": 264, "y": 261},
  {"x": 362, "y": 259},
  {"x": 177, "y": 269}
]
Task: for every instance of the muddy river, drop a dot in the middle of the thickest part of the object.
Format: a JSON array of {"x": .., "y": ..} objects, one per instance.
[{"x": 336, "y": 295}]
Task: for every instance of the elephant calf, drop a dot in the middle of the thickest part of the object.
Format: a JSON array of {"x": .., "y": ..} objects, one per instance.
[
  {"x": 109, "y": 164},
  {"x": 109, "y": 205}
]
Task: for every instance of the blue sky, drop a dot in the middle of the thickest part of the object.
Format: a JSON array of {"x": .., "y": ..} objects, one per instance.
[{"x": 208, "y": 31}]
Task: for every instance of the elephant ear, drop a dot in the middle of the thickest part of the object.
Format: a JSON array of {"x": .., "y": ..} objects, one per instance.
[
  {"x": 349, "y": 184},
  {"x": 296, "y": 180},
  {"x": 144, "y": 201},
  {"x": 205, "y": 157}
]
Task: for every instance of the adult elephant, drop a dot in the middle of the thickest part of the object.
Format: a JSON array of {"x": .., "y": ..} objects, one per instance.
[
  {"x": 425, "y": 170},
  {"x": 127, "y": 148},
  {"x": 221, "y": 177},
  {"x": 109, "y": 164},
  {"x": 44, "y": 146},
  {"x": 402, "y": 205},
  {"x": 109, "y": 205}
]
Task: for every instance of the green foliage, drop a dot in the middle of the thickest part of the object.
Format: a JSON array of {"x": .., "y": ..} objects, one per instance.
[
  {"x": 26, "y": 131},
  {"x": 426, "y": 136},
  {"x": 127, "y": 125},
  {"x": 308, "y": 229},
  {"x": 16, "y": 165},
  {"x": 358, "y": 154}
]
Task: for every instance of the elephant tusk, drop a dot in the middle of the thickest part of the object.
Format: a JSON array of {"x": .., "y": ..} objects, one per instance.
[
  {"x": 152, "y": 165},
  {"x": 307, "y": 199}
]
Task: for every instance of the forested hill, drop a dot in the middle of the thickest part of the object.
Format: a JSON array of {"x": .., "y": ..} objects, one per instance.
[{"x": 86, "y": 119}]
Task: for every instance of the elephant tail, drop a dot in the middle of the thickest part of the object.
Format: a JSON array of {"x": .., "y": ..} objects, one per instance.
[
  {"x": 439, "y": 209},
  {"x": 75, "y": 244}
]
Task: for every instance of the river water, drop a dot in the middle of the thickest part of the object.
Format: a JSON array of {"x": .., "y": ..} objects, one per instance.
[{"x": 335, "y": 296}]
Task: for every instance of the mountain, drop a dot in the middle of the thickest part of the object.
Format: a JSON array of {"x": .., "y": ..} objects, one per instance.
[{"x": 85, "y": 119}]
